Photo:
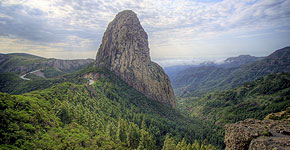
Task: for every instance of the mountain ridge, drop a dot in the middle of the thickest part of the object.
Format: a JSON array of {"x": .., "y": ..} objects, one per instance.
[
  {"x": 276, "y": 62},
  {"x": 22, "y": 63}
]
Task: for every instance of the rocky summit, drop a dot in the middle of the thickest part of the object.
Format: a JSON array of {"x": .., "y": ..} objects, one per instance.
[{"x": 125, "y": 51}]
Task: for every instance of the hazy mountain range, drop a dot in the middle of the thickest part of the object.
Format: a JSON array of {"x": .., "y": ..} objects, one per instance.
[{"x": 201, "y": 79}]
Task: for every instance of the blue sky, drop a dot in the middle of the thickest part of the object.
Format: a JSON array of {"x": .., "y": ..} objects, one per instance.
[{"x": 70, "y": 29}]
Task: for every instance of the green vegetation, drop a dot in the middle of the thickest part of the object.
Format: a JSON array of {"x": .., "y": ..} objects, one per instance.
[
  {"x": 51, "y": 72},
  {"x": 21, "y": 63},
  {"x": 252, "y": 100},
  {"x": 199, "y": 81},
  {"x": 255, "y": 99},
  {"x": 107, "y": 115},
  {"x": 13, "y": 84},
  {"x": 169, "y": 144},
  {"x": 64, "y": 112},
  {"x": 11, "y": 62},
  {"x": 284, "y": 115}
]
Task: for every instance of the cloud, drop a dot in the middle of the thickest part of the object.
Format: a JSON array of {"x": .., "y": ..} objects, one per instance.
[
  {"x": 166, "y": 62},
  {"x": 176, "y": 28}
]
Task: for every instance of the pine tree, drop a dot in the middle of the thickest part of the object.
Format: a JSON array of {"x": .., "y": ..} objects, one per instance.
[
  {"x": 121, "y": 135},
  {"x": 195, "y": 145},
  {"x": 143, "y": 124},
  {"x": 202, "y": 147},
  {"x": 189, "y": 147},
  {"x": 169, "y": 143},
  {"x": 146, "y": 141},
  {"x": 133, "y": 136},
  {"x": 178, "y": 146},
  {"x": 110, "y": 131},
  {"x": 183, "y": 145}
]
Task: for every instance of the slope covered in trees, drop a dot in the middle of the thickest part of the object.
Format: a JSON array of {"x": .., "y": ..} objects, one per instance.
[
  {"x": 106, "y": 115},
  {"x": 199, "y": 81},
  {"x": 21, "y": 63},
  {"x": 13, "y": 84},
  {"x": 252, "y": 100}
]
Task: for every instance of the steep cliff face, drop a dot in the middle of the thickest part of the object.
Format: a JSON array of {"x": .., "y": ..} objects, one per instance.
[{"x": 124, "y": 50}]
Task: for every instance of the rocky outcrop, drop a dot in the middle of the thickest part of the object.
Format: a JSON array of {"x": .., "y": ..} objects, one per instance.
[
  {"x": 124, "y": 50},
  {"x": 253, "y": 134}
]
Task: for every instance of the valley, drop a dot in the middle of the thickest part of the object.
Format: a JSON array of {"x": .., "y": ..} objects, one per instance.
[{"x": 124, "y": 100}]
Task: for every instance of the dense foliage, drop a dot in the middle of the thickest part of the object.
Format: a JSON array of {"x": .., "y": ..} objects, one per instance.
[
  {"x": 13, "y": 84},
  {"x": 170, "y": 144},
  {"x": 252, "y": 100},
  {"x": 107, "y": 115}
]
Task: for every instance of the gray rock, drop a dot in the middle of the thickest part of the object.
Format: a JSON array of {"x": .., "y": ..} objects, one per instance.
[
  {"x": 124, "y": 50},
  {"x": 252, "y": 134}
]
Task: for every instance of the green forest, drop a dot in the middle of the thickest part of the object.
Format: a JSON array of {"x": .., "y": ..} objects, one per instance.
[
  {"x": 63, "y": 111},
  {"x": 144, "y": 75},
  {"x": 252, "y": 100},
  {"x": 107, "y": 115}
]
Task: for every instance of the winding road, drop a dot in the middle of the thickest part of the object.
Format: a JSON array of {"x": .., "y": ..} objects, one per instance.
[{"x": 23, "y": 76}]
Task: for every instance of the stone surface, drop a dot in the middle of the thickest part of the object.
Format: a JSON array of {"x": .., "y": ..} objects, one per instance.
[
  {"x": 255, "y": 134},
  {"x": 125, "y": 51}
]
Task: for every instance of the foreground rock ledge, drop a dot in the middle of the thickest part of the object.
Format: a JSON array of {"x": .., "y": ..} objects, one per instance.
[
  {"x": 252, "y": 134},
  {"x": 125, "y": 51}
]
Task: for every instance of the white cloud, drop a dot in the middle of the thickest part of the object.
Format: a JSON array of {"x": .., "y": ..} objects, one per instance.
[{"x": 176, "y": 28}]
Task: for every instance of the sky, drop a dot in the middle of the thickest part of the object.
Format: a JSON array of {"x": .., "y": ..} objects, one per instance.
[{"x": 177, "y": 29}]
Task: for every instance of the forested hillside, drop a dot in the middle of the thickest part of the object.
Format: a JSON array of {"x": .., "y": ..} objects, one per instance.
[
  {"x": 22, "y": 63},
  {"x": 106, "y": 115},
  {"x": 252, "y": 100},
  {"x": 199, "y": 81},
  {"x": 13, "y": 84}
]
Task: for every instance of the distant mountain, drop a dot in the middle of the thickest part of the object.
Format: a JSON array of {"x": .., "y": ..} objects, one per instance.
[
  {"x": 171, "y": 71},
  {"x": 196, "y": 81},
  {"x": 278, "y": 61},
  {"x": 22, "y": 63},
  {"x": 231, "y": 62}
]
